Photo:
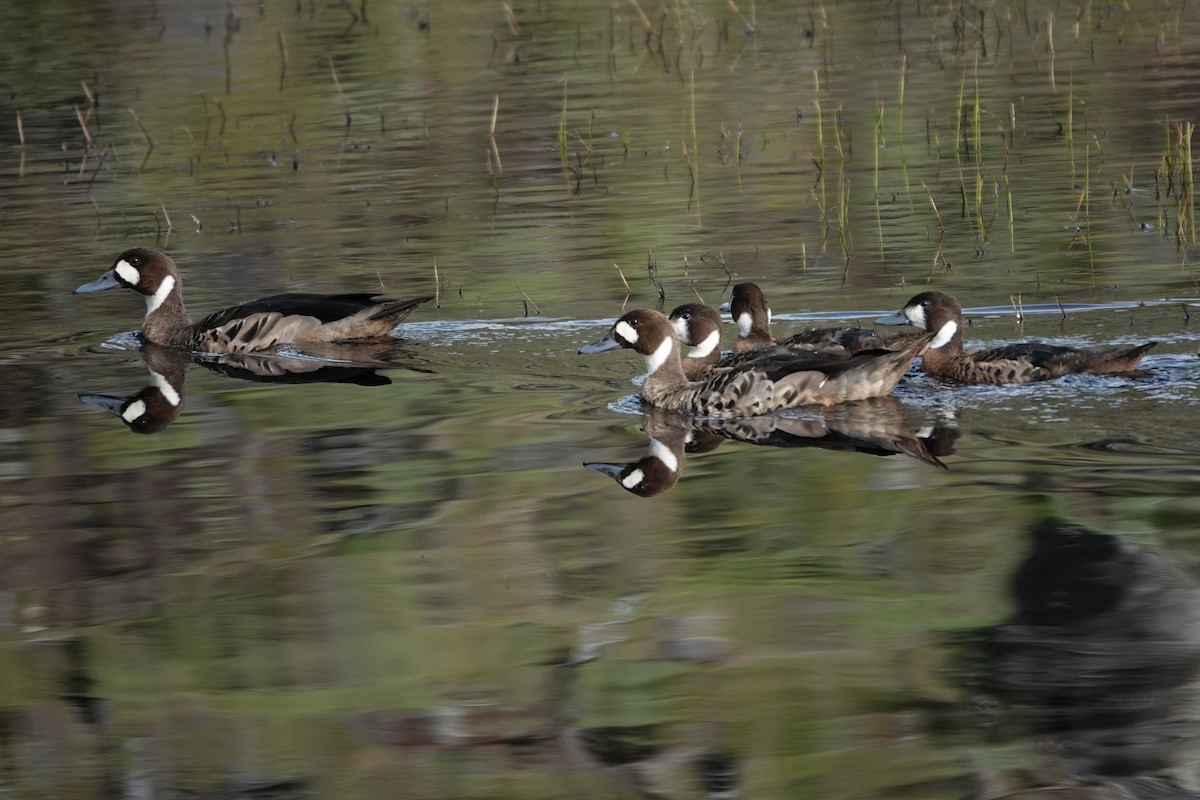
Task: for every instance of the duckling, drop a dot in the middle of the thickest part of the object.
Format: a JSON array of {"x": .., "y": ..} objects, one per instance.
[
  {"x": 760, "y": 386},
  {"x": 248, "y": 327},
  {"x": 1012, "y": 363}
]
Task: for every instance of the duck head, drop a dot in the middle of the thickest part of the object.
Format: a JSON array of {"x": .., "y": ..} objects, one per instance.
[
  {"x": 935, "y": 312},
  {"x": 150, "y": 273},
  {"x": 749, "y": 309},
  {"x": 648, "y": 333},
  {"x": 698, "y": 326}
]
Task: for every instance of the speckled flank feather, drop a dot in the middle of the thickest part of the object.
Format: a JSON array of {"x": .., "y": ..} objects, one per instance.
[
  {"x": 252, "y": 326},
  {"x": 1014, "y": 363},
  {"x": 288, "y": 318},
  {"x": 774, "y": 381},
  {"x": 785, "y": 380}
]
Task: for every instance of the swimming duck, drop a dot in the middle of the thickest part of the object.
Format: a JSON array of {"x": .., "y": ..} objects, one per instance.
[
  {"x": 750, "y": 312},
  {"x": 1012, "y": 363},
  {"x": 248, "y": 327},
  {"x": 698, "y": 327},
  {"x": 776, "y": 381}
]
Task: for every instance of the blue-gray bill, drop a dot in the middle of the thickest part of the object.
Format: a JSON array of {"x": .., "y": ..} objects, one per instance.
[
  {"x": 102, "y": 284},
  {"x": 105, "y": 401},
  {"x": 895, "y": 318},
  {"x": 611, "y": 470},
  {"x": 602, "y": 345}
]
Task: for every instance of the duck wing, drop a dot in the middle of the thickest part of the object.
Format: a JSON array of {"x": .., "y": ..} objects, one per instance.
[
  {"x": 323, "y": 307},
  {"x": 1037, "y": 354},
  {"x": 284, "y": 318},
  {"x": 781, "y": 379}
]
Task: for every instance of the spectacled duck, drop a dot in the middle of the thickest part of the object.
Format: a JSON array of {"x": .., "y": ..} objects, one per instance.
[
  {"x": 248, "y": 327},
  {"x": 1012, "y": 363},
  {"x": 773, "y": 382}
]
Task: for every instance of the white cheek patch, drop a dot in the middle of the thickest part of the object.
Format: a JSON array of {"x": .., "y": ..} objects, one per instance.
[
  {"x": 660, "y": 355},
  {"x": 916, "y": 317},
  {"x": 663, "y": 453},
  {"x": 626, "y": 332},
  {"x": 631, "y": 480},
  {"x": 168, "y": 391},
  {"x": 682, "y": 330},
  {"x": 155, "y": 300},
  {"x": 710, "y": 343},
  {"x": 127, "y": 272},
  {"x": 135, "y": 409},
  {"x": 944, "y": 335},
  {"x": 744, "y": 321}
]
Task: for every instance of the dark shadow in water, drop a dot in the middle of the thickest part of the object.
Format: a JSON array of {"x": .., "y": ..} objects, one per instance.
[
  {"x": 162, "y": 400},
  {"x": 1101, "y": 658},
  {"x": 882, "y": 426}
]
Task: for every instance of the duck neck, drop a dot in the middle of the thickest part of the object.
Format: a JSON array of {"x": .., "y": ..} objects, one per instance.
[
  {"x": 952, "y": 349},
  {"x": 664, "y": 367},
  {"x": 167, "y": 321}
]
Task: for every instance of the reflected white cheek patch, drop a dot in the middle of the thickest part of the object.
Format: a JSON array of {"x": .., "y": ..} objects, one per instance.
[
  {"x": 134, "y": 410},
  {"x": 633, "y": 479},
  {"x": 626, "y": 332},
  {"x": 127, "y": 272}
]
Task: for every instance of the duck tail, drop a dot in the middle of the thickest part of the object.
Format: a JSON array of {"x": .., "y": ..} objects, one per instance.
[
  {"x": 1117, "y": 360},
  {"x": 396, "y": 311}
]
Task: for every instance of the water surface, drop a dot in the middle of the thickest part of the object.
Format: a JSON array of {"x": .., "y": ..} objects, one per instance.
[{"x": 345, "y": 589}]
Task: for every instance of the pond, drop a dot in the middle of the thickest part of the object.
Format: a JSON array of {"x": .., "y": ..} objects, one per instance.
[{"x": 315, "y": 578}]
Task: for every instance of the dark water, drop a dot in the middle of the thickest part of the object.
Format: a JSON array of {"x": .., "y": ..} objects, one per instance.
[{"x": 404, "y": 582}]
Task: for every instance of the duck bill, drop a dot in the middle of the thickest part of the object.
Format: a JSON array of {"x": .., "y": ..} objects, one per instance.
[
  {"x": 105, "y": 401},
  {"x": 896, "y": 318},
  {"x": 602, "y": 345},
  {"x": 613, "y": 471},
  {"x": 102, "y": 284}
]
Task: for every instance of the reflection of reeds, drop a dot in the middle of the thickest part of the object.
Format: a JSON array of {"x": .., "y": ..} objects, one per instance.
[
  {"x": 283, "y": 57},
  {"x": 900, "y": 123},
  {"x": 1179, "y": 179},
  {"x": 878, "y": 146},
  {"x": 145, "y": 135},
  {"x": 691, "y": 154},
  {"x": 563, "y": 157},
  {"x": 493, "y": 160},
  {"x": 345, "y": 104}
]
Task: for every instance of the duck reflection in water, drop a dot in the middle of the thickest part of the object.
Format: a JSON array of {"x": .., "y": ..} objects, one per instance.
[
  {"x": 879, "y": 426},
  {"x": 161, "y": 401},
  {"x": 1102, "y": 655}
]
